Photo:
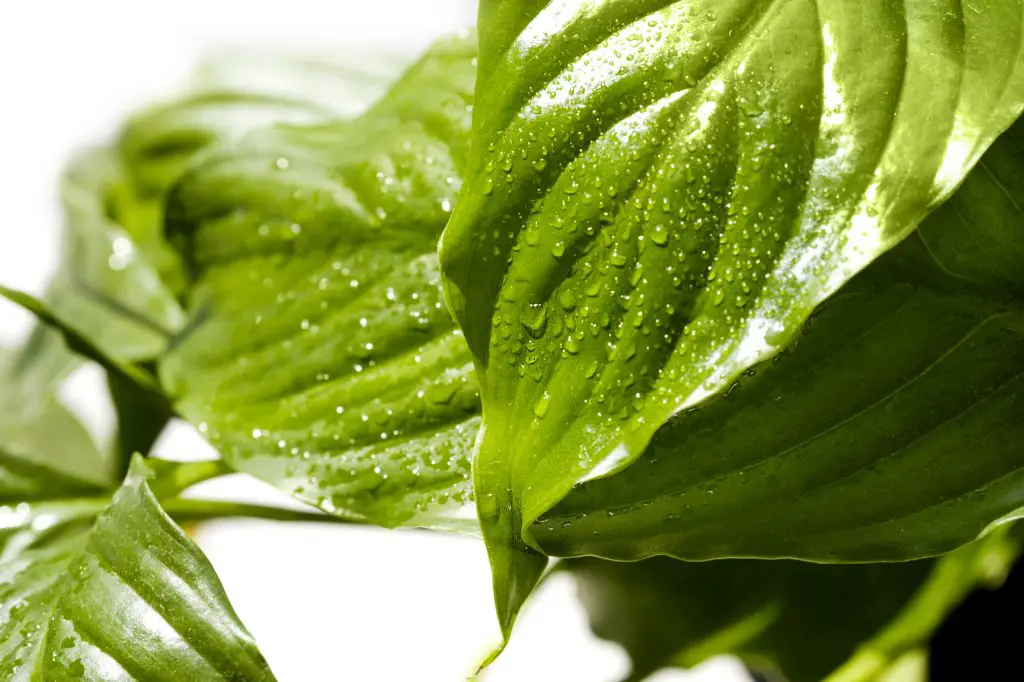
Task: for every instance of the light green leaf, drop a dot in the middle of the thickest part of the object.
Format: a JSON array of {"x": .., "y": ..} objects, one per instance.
[
  {"x": 808, "y": 622},
  {"x": 22, "y": 479},
  {"x": 79, "y": 343},
  {"x": 660, "y": 193},
  {"x": 319, "y": 355},
  {"x": 891, "y": 430},
  {"x": 118, "y": 278},
  {"x": 106, "y": 286},
  {"x": 44, "y": 449},
  {"x": 130, "y": 597}
]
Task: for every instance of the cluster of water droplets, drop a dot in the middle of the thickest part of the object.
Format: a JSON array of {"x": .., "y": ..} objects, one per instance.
[{"x": 327, "y": 360}]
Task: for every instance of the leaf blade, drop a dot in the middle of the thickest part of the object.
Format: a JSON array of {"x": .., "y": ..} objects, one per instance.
[
  {"x": 852, "y": 441},
  {"x": 619, "y": 141},
  {"x": 173, "y": 616},
  {"x": 325, "y": 264}
]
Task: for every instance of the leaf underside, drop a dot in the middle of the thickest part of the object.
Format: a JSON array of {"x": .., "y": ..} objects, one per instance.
[{"x": 807, "y": 622}]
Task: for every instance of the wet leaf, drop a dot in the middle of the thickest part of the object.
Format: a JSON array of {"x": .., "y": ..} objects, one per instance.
[
  {"x": 661, "y": 193},
  {"x": 319, "y": 355},
  {"x": 124, "y": 596},
  {"x": 891, "y": 430}
]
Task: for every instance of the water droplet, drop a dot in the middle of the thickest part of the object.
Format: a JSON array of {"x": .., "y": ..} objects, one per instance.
[
  {"x": 541, "y": 408},
  {"x": 660, "y": 235},
  {"x": 535, "y": 320}
]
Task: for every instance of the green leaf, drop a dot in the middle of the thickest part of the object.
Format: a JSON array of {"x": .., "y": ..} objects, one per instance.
[
  {"x": 78, "y": 343},
  {"x": 24, "y": 479},
  {"x": 319, "y": 355},
  {"x": 119, "y": 279},
  {"x": 851, "y": 444},
  {"x": 660, "y": 193},
  {"x": 236, "y": 93},
  {"x": 130, "y": 597},
  {"x": 808, "y": 622},
  {"x": 44, "y": 449},
  {"x": 106, "y": 286}
]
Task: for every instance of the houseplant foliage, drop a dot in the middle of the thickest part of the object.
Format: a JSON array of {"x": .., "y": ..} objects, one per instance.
[{"x": 715, "y": 280}]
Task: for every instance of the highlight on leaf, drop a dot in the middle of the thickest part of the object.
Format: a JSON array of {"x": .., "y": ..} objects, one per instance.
[
  {"x": 172, "y": 621},
  {"x": 659, "y": 194}
]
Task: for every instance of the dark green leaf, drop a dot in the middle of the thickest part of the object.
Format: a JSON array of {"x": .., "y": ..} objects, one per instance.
[
  {"x": 319, "y": 354},
  {"x": 659, "y": 195},
  {"x": 140, "y": 420},
  {"x": 808, "y": 621},
  {"x": 129, "y": 598},
  {"x": 891, "y": 430},
  {"x": 118, "y": 277}
]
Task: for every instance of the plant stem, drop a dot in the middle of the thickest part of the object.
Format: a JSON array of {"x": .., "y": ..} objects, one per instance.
[{"x": 199, "y": 510}]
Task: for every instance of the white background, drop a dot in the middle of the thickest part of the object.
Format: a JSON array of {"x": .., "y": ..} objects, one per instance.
[{"x": 324, "y": 602}]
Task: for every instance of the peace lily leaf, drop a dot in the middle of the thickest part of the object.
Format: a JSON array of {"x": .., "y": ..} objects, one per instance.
[
  {"x": 319, "y": 355},
  {"x": 45, "y": 428},
  {"x": 104, "y": 287},
  {"x": 659, "y": 195},
  {"x": 118, "y": 278},
  {"x": 822, "y": 455},
  {"x": 130, "y": 597},
  {"x": 808, "y": 622}
]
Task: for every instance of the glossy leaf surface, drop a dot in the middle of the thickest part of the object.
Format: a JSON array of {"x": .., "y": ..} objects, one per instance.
[
  {"x": 809, "y": 622},
  {"x": 320, "y": 356},
  {"x": 128, "y": 598},
  {"x": 892, "y": 429},
  {"x": 660, "y": 194}
]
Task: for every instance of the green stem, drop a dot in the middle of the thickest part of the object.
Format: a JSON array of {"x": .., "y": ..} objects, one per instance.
[
  {"x": 188, "y": 474},
  {"x": 200, "y": 510}
]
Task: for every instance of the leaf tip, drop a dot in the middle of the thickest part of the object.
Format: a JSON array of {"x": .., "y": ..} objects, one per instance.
[{"x": 516, "y": 571}]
